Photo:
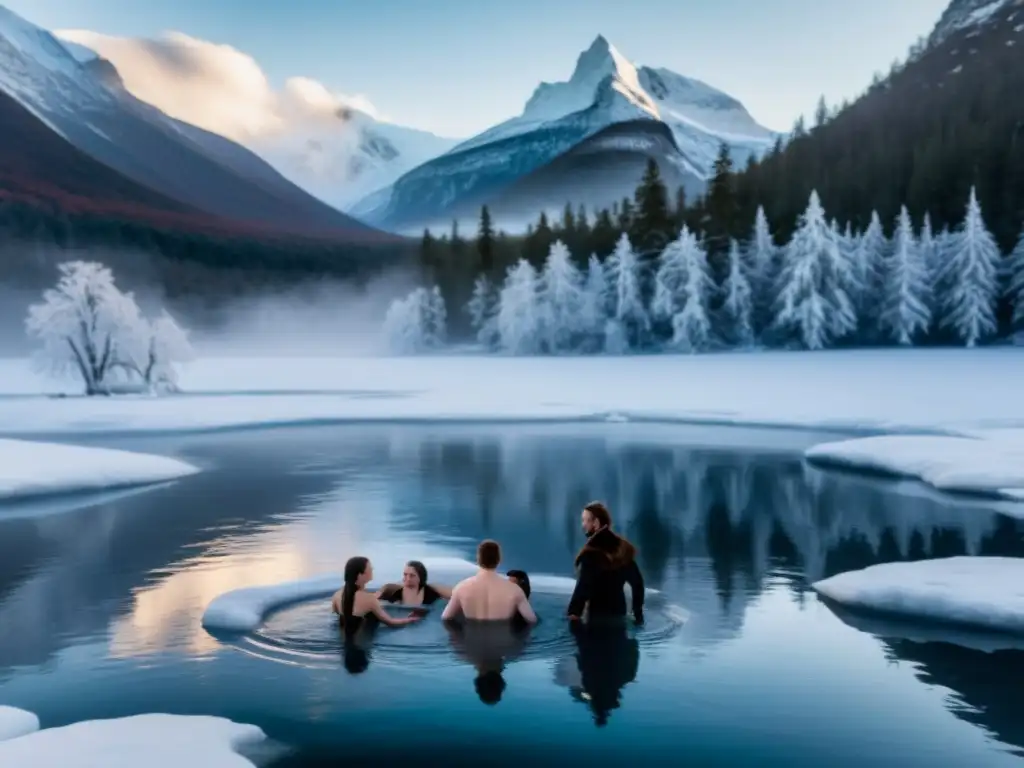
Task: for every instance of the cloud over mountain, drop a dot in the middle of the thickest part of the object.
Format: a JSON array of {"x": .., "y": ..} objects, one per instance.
[{"x": 215, "y": 86}]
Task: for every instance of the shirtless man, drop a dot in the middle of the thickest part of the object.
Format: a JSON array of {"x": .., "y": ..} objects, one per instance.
[{"x": 487, "y": 596}]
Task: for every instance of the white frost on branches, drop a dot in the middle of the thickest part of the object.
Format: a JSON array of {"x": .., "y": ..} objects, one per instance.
[
  {"x": 88, "y": 326},
  {"x": 416, "y": 323}
]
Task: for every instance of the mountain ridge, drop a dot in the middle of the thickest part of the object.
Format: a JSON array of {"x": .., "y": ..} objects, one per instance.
[
  {"x": 605, "y": 88},
  {"x": 83, "y": 103}
]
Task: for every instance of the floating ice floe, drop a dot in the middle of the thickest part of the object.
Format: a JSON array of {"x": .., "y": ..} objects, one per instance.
[
  {"x": 153, "y": 740},
  {"x": 990, "y": 464},
  {"x": 30, "y": 469},
  {"x": 981, "y": 592}
]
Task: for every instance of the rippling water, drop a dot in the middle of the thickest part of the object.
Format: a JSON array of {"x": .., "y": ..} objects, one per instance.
[{"x": 100, "y": 605}]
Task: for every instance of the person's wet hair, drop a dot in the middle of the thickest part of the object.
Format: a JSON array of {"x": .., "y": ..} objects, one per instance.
[
  {"x": 488, "y": 554},
  {"x": 421, "y": 571},
  {"x": 600, "y": 513},
  {"x": 354, "y": 568},
  {"x": 489, "y": 687},
  {"x": 522, "y": 579}
]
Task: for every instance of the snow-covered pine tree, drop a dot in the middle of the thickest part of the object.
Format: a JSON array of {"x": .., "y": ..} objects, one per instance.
[
  {"x": 482, "y": 311},
  {"x": 561, "y": 299},
  {"x": 928, "y": 245},
  {"x": 812, "y": 303},
  {"x": 737, "y": 304},
  {"x": 669, "y": 280},
  {"x": 691, "y": 324},
  {"x": 763, "y": 257},
  {"x": 417, "y": 322},
  {"x": 519, "y": 316},
  {"x": 594, "y": 306},
  {"x": 905, "y": 312},
  {"x": 435, "y": 318},
  {"x": 626, "y": 298},
  {"x": 1014, "y": 290},
  {"x": 866, "y": 277},
  {"x": 683, "y": 289},
  {"x": 969, "y": 278}
]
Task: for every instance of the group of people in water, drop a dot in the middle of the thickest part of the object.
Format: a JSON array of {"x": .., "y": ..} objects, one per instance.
[
  {"x": 605, "y": 564},
  {"x": 488, "y": 616}
]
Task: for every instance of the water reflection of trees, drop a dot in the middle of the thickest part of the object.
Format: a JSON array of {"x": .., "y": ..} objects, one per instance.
[{"x": 746, "y": 512}]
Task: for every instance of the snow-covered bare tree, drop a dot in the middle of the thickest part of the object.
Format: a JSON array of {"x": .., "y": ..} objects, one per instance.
[
  {"x": 519, "y": 311},
  {"x": 904, "y": 310},
  {"x": 561, "y": 300},
  {"x": 737, "y": 304},
  {"x": 85, "y": 324},
  {"x": 594, "y": 306},
  {"x": 417, "y": 322},
  {"x": 1014, "y": 290},
  {"x": 626, "y": 297},
  {"x": 482, "y": 309},
  {"x": 159, "y": 346},
  {"x": 763, "y": 257},
  {"x": 813, "y": 304},
  {"x": 969, "y": 278}
]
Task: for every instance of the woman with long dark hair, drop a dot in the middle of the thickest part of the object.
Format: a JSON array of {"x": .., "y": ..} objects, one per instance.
[
  {"x": 353, "y": 603},
  {"x": 414, "y": 589}
]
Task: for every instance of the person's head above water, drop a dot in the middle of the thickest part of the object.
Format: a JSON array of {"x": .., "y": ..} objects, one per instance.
[
  {"x": 488, "y": 554},
  {"x": 595, "y": 516},
  {"x": 358, "y": 571},
  {"x": 521, "y": 578},
  {"x": 415, "y": 575}
]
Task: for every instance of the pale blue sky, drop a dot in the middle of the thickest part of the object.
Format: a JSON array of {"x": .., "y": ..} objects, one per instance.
[{"x": 458, "y": 66}]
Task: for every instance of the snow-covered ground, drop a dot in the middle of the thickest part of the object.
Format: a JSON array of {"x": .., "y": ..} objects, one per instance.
[
  {"x": 156, "y": 740},
  {"x": 16, "y": 722},
  {"x": 29, "y": 469},
  {"x": 948, "y": 390},
  {"x": 990, "y": 462},
  {"x": 982, "y": 592}
]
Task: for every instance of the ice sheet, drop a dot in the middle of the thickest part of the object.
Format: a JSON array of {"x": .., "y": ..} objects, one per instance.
[{"x": 982, "y": 592}]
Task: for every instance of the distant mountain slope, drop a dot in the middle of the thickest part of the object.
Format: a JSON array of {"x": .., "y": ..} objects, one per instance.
[
  {"x": 40, "y": 168},
  {"x": 595, "y": 171},
  {"x": 950, "y": 118},
  {"x": 604, "y": 89},
  {"x": 331, "y": 147},
  {"x": 83, "y": 103}
]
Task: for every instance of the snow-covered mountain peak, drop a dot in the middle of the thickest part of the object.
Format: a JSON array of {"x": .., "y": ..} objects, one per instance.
[
  {"x": 35, "y": 44},
  {"x": 607, "y": 87},
  {"x": 600, "y": 70}
]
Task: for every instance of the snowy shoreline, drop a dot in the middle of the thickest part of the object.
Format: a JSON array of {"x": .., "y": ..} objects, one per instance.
[
  {"x": 856, "y": 392},
  {"x": 31, "y": 470}
]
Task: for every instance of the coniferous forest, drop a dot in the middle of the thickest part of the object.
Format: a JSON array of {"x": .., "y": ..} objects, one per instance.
[{"x": 893, "y": 219}]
